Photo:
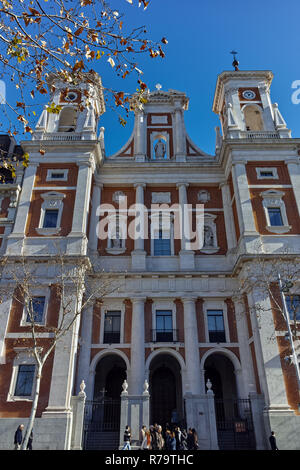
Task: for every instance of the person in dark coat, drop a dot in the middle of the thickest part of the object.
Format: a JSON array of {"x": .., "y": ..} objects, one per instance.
[
  {"x": 195, "y": 439},
  {"x": 29, "y": 443},
  {"x": 127, "y": 439},
  {"x": 272, "y": 440},
  {"x": 172, "y": 441},
  {"x": 19, "y": 437},
  {"x": 190, "y": 440}
]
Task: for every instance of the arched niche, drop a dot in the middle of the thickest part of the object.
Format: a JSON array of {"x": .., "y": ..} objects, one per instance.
[
  {"x": 67, "y": 119},
  {"x": 253, "y": 118}
]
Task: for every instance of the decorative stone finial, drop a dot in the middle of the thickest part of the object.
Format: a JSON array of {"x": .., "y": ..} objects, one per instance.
[
  {"x": 158, "y": 86},
  {"x": 125, "y": 387},
  {"x": 146, "y": 387},
  {"x": 82, "y": 388},
  {"x": 208, "y": 385}
]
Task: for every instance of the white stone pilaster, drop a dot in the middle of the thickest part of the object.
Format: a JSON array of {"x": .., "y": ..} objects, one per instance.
[
  {"x": 243, "y": 199},
  {"x": 137, "y": 374},
  {"x": 62, "y": 379},
  {"x": 140, "y": 136},
  {"x": 187, "y": 256},
  {"x": 85, "y": 346},
  {"x": 294, "y": 172},
  {"x": 228, "y": 216},
  {"x": 138, "y": 256},
  {"x": 179, "y": 135},
  {"x": 191, "y": 347},
  {"x": 5, "y": 307},
  {"x": 96, "y": 201},
  {"x": 268, "y": 359}
]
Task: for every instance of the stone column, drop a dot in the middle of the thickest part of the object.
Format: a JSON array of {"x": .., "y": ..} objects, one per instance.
[
  {"x": 179, "y": 135},
  {"x": 243, "y": 199},
  {"x": 187, "y": 256},
  {"x": 137, "y": 369},
  {"x": 248, "y": 379},
  {"x": 294, "y": 172},
  {"x": 228, "y": 216},
  {"x": 85, "y": 347},
  {"x": 191, "y": 346},
  {"x": 140, "y": 137},
  {"x": 96, "y": 201},
  {"x": 80, "y": 211},
  {"x": 138, "y": 256},
  {"x": 268, "y": 360},
  {"x": 6, "y": 293},
  {"x": 78, "y": 404},
  {"x": 18, "y": 233},
  {"x": 63, "y": 363}
]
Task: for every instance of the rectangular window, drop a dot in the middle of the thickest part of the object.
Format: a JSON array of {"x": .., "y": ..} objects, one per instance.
[
  {"x": 275, "y": 216},
  {"x": 162, "y": 246},
  {"x": 293, "y": 306},
  {"x": 37, "y": 306},
  {"x": 266, "y": 174},
  {"x": 112, "y": 326},
  {"x": 50, "y": 218},
  {"x": 164, "y": 326},
  {"x": 24, "y": 381},
  {"x": 216, "y": 329}
]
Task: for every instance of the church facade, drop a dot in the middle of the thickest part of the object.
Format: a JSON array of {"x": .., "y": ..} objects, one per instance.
[{"x": 174, "y": 342}]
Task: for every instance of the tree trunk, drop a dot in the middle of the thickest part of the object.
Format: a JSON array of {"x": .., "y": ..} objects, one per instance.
[{"x": 33, "y": 408}]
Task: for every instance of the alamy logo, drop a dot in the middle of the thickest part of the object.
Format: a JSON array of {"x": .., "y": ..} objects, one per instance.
[
  {"x": 2, "y": 92},
  {"x": 296, "y": 94}
]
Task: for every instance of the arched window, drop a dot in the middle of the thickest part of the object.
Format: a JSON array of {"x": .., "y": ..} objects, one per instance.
[
  {"x": 67, "y": 120},
  {"x": 253, "y": 118}
]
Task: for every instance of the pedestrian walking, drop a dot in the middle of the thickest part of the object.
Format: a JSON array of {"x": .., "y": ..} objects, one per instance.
[
  {"x": 142, "y": 434},
  {"x": 178, "y": 438},
  {"x": 190, "y": 440},
  {"x": 183, "y": 439},
  {"x": 272, "y": 440},
  {"x": 127, "y": 439},
  {"x": 29, "y": 443},
  {"x": 146, "y": 444},
  {"x": 172, "y": 441},
  {"x": 195, "y": 439},
  {"x": 19, "y": 437},
  {"x": 160, "y": 439}
]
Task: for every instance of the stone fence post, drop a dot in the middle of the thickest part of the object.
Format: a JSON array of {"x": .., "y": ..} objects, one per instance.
[{"x": 78, "y": 404}]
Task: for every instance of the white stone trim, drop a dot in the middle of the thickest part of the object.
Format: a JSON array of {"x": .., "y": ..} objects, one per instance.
[
  {"x": 23, "y": 357},
  {"x": 274, "y": 172},
  {"x": 52, "y": 200},
  {"x": 273, "y": 198},
  {"x": 50, "y": 172}
]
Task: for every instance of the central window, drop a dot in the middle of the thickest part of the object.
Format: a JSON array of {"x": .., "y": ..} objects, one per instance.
[
  {"x": 216, "y": 329},
  {"x": 162, "y": 246},
  {"x": 293, "y": 306},
  {"x": 164, "y": 326},
  {"x": 112, "y": 327}
]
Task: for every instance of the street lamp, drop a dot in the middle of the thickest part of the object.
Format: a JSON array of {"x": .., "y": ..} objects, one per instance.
[{"x": 285, "y": 289}]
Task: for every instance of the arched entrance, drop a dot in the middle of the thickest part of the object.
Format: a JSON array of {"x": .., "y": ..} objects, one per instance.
[
  {"x": 102, "y": 414},
  {"x": 166, "y": 403},
  {"x": 233, "y": 414}
]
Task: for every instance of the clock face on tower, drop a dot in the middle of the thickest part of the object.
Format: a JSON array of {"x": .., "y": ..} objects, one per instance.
[{"x": 248, "y": 94}]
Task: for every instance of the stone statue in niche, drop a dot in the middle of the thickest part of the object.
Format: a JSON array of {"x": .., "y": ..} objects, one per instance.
[
  {"x": 160, "y": 149},
  {"x": 208, "y": 236}
]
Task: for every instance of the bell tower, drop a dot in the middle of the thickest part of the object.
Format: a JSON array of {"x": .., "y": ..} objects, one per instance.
[
  {"x": 242, "y": 100},
  {"x": 73, "y": 112}
]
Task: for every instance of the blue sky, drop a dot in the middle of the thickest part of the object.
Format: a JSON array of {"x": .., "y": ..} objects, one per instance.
[{"x": 200, "y": 36}]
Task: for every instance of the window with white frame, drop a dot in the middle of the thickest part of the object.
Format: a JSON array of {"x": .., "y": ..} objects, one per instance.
[
  {"x": 51, "y": 213},
  {"x": 57, "y": 175},
  {"x": 35, "y": 307},
  {"x": 275, "y": 211},
  {"x": 266, "y": 173},
  {"x": 23, "y": 376},
  {"x": 162, "y": 236}
]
